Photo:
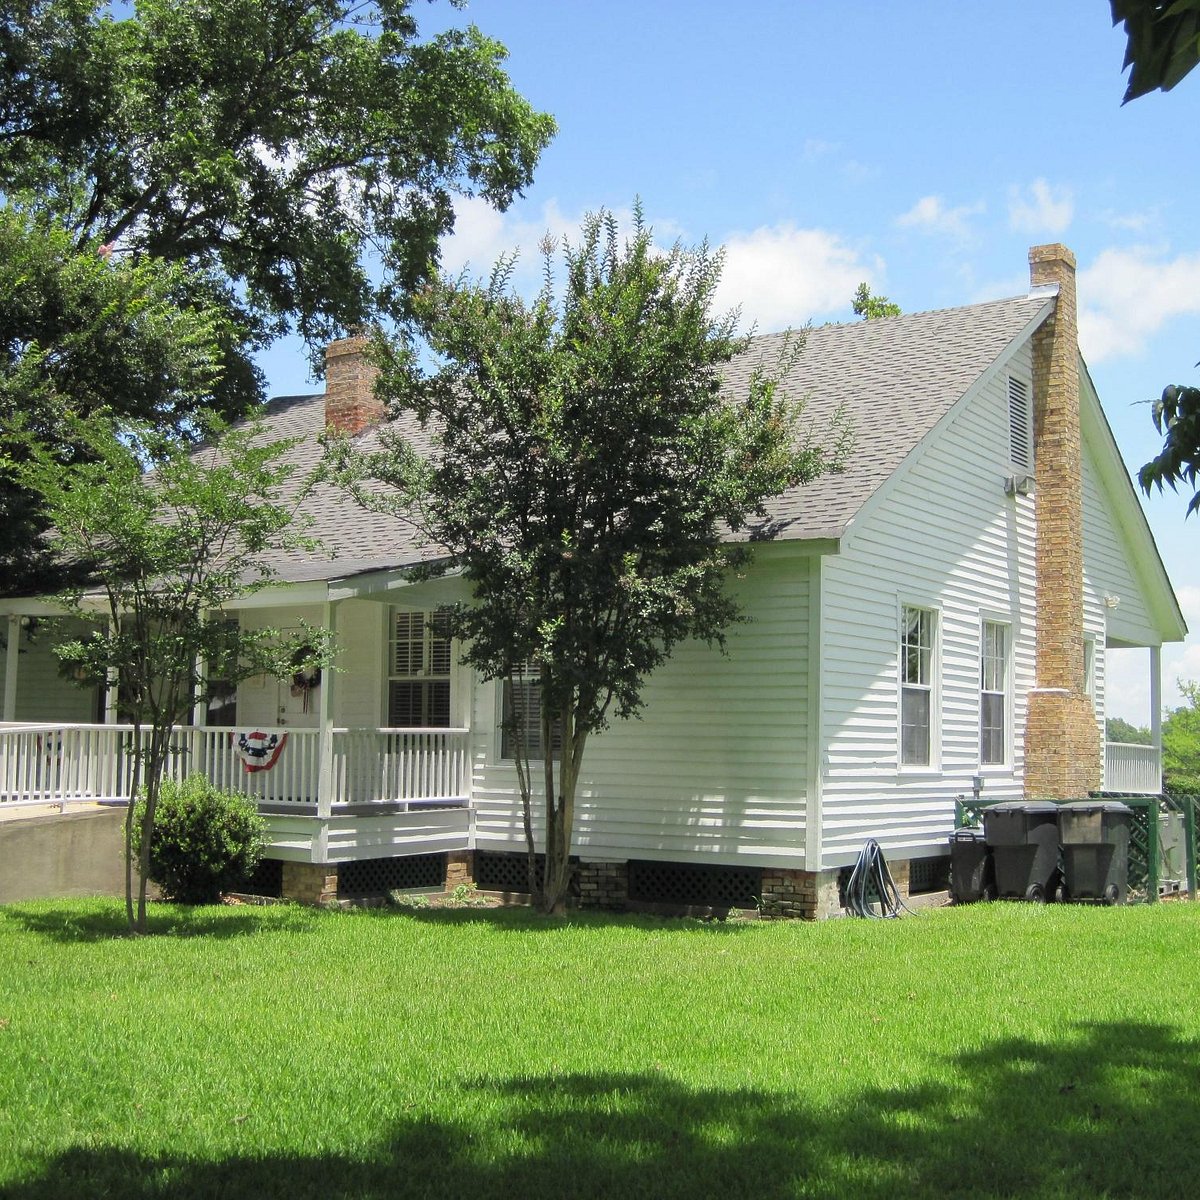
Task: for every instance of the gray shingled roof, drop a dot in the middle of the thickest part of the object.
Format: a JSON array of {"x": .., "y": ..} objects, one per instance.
[{"x": 894, "y": 378}]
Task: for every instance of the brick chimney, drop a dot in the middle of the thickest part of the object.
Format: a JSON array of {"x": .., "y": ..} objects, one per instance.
[
  {"x": 1062, "y": 738},
  {"x": 350, "y": 403}
]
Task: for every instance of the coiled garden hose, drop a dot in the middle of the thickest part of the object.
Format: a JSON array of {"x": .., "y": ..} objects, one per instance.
[{"x": 871, "y": 874}]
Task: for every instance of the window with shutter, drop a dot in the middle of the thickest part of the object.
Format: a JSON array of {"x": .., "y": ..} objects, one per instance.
[{"x": 418, "y": 670}]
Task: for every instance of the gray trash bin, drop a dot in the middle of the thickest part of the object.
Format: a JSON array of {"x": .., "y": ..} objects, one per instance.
[
  {"x": 1094, "y": 835},
  {"x": 970, "y": 867},
  {"x": 1023, "y": 838}
]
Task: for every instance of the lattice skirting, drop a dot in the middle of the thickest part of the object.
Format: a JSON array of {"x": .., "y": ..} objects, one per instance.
[
  {"x": 694, "y": 884},
  {"x": 378, "y": 876}
]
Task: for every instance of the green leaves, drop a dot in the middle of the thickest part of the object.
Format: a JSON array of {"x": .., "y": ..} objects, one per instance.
[
  {"x": 1163, "y": 42},
  {"x": 274, "y": 144},
  {"x": 1177, "y": 417}
]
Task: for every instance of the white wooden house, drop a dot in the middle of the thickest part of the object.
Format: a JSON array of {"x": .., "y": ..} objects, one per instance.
[{"x": 932, "y": 622}]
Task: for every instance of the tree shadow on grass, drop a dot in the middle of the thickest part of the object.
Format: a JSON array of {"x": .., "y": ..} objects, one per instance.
[
  {"x": 1103, "y": 1110},
  {"x": 67, "y": 923}
]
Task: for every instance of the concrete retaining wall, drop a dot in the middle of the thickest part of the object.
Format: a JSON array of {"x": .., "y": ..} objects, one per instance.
[{"x": 62, "y": 854}]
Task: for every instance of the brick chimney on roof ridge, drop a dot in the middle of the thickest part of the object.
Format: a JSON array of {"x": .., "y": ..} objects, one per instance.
[
  {"x": 350, "y": 402},
  {"x": 1062, "y": 736}
]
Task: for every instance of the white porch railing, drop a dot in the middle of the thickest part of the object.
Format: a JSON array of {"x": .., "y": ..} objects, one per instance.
[
  {"x": 46, "y": 763},
  {"x": 1130, "y": 768}
]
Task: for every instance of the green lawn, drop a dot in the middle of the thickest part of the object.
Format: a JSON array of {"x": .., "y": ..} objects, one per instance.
[{"x": 1001, "y": 1050}]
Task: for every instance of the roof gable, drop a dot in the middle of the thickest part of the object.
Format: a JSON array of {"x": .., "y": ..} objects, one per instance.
[{"x": 895, "y": 379}]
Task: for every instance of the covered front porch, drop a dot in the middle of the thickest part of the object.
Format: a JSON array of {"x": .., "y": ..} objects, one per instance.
[{"x": 369, "y": 760}]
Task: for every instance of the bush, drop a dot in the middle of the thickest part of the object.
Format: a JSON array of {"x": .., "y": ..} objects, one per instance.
[{"x": 205, "y": 841}]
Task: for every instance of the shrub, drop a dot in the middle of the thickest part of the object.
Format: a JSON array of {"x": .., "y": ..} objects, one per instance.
[{"x": 205, "y": 842}]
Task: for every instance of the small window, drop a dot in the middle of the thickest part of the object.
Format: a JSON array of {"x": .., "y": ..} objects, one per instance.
[
  {"x": 1089, "y": 668},
  {"x": 419, "y": 670},
  {"x": 521, "y": 709},
  {"x": 916, "y": 686},
  {"x": 1020, "y": 433},
  {"x": 993, "y": 695}
]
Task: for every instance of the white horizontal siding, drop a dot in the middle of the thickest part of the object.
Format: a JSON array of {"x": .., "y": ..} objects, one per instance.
[
  {"x": 715, "y": 768},
  {"x": 946, "y": 537},
  {"x": 1106, "y": 570},
  {"x": 387, "y": 835},
  {"x": 359, "y": 662},
  {"x": 43, "y": 692}
]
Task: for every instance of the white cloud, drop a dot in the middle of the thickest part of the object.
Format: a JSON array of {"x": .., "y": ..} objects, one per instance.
[
  {"x": 1128, "y": 295},
  {"x": 930, "y": 214},
  {"x": 782, "y": 276},
  {"x": 1132, "y": 222},
  {"x": 1041, "y": 209},
  {"x": 482, "y": 235}
]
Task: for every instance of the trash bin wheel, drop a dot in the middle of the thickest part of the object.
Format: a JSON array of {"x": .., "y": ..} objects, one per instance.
[
  {"x": 1056, "y": 888},
  {"x": 989, "y": 891},
  {"x": 1062, "y": 894},
  {"x": 1112, "y": 894},
  {"x": 1036, "y": 894}
]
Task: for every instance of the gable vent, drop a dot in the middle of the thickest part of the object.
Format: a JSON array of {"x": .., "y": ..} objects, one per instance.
[{"x": 1020, "y": 436}]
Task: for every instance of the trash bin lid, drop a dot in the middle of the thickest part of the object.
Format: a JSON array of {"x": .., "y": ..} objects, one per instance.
[
  {"x": 1023, "y": 806},
  {"x": 968, "y": 834},
  {"x": 1095, "y": 806}
]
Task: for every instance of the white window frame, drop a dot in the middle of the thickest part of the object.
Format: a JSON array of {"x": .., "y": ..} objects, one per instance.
[
  {"x": 1005, "y": 691},
  {"x": 428, "y": 671},
  {"x": 930, "y": 685}
]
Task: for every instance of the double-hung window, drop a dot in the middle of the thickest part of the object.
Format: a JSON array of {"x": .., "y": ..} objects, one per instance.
[
  {"x": 418, "y": 670},
  {"x": 918, "y": 631},
  {"x": 521, "y": 712},
  {"x": 993, "y": 695}
]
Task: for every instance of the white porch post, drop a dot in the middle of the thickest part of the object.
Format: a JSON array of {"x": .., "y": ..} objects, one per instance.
[
  {"x": 1156, "y": 708},
  {"x": 12, "y": 654},
  {"x": 199, "y": 705},
  {"x": 325, "y": 777},
  {"x": 112, "y": 688}
]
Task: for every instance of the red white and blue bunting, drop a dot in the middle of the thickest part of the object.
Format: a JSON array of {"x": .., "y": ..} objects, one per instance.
[{"x": 259, "y": 749}]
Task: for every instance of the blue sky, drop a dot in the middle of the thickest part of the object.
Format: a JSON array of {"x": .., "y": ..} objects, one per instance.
[{"x": 922, "y": 147}]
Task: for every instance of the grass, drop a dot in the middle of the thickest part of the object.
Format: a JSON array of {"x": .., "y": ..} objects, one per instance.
[{"x": 999, "y": 1050}]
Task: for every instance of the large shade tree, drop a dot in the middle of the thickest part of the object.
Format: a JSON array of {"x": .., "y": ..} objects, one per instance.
[
  {"x": 299, "y": 157},
  {"x": 588, "y": 467}
]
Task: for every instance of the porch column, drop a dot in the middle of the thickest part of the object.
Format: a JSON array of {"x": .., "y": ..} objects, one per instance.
[
  {"x": 325, "y": 776},
  {"x": 112, "y": 688},
  {"x": 199, "y": 705},
  {"x": 12, "y": 654},
  {"x": 1156, "y": 708}
]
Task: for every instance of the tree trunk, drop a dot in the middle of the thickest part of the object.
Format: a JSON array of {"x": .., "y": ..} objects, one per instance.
[{"x": 560, "y": 814}]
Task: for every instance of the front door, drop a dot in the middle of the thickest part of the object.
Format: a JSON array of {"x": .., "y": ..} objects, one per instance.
[{"x": 299, "y": 696}]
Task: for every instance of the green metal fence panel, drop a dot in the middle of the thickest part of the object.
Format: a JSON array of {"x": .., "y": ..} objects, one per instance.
[{"x": 1145, "y": 848}]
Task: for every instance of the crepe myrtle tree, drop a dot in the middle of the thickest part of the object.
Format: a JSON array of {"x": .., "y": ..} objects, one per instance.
[
  {"x": 167, "y": 535},
  {"x": 587, "y": 467}
]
